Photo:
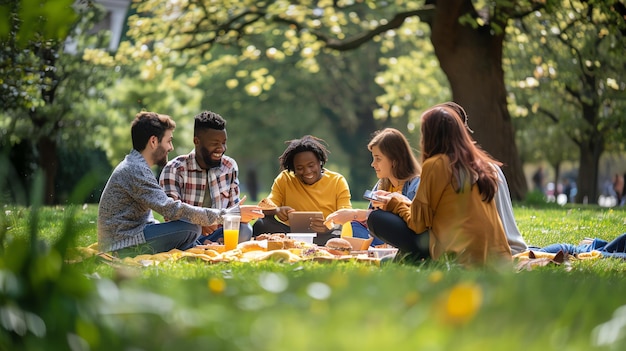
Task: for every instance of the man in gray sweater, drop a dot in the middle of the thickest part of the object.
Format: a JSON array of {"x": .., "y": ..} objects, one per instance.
[{"x": 125, "y": 221}]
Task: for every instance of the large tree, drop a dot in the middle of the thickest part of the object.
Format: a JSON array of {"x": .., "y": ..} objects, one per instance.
[
  {"x": 348, "y": 96},
  {"x": 574, "y": 80},
  {"x": 467, "y": 41},
  {"x": 43, "y": 88}
]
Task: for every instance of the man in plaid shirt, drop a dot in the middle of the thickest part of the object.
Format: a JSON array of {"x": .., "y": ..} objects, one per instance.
[{"x": 206, "y": 177}]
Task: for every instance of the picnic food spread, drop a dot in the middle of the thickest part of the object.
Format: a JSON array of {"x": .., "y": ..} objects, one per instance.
[{"x": 275, "y": 247}]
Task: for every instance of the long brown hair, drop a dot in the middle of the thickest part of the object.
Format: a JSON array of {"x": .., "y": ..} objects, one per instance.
[
  {"x": 394, "y": 145},
  {"x": 444, "y": 132}
]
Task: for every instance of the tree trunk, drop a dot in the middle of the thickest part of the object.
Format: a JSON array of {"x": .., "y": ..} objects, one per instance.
[
  {"x": 47, "y": 149},
  {"x": 587, "y": 182},
  {"x": 557, "y": 175},
  {"x": 472, "y": 61},
  {"x": 353, "y": 141}
]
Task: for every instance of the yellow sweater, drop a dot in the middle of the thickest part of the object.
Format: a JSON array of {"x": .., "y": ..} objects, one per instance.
[
  {"x": 460, "y": 224},
  {"x": 328, "y": 194}
]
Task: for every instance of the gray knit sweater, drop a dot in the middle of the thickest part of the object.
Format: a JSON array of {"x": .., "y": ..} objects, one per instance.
[{"x": 128, "y": 199}]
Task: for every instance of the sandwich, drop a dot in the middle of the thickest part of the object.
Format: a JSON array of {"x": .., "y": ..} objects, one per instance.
[
  {"x": 338, "y": 246},
  {"x": 267, "y": 205}
]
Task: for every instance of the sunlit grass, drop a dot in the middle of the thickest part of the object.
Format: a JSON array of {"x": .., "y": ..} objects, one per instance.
[{"x": 353, "y": 306}]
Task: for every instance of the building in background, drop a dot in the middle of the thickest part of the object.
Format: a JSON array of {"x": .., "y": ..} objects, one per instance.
[{"x": 115, "y": 20}]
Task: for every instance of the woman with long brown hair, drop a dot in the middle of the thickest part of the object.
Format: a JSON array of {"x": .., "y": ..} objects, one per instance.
[
  {"x": 398, "y": 171},
  {"x": 454, "y": 203}
]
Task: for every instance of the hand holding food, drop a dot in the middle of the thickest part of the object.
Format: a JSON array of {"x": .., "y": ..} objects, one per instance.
[
  {"x": 250, "y": 212},
  {"x": 267, "y": 205}
]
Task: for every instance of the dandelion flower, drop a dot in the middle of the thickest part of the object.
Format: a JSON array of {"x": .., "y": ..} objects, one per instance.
[{"x": 217, "y": 285}]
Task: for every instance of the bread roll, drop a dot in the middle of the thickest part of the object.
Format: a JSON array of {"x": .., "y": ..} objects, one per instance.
[{"x": 338, "y": 246}]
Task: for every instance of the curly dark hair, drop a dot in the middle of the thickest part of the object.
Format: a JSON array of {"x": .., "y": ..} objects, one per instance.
[
  {"x": 296, "y": 146},
  {"x": 208, "y": 120}
]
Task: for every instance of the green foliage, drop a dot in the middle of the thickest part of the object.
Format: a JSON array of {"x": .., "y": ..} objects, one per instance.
[
  {"x": 566, "y": 83},
  {"x": 77, "y": 164},
  {"x": 261, "y": 80},
  {"x": 50, "y": 97},
  {"x": 51, "y": 20}
]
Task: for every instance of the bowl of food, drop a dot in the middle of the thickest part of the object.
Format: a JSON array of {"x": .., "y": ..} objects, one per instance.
[{"x": 303, "y": 237}]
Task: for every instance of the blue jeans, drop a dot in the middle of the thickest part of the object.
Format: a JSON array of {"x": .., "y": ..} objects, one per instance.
[
  {"x": 360, "y": 231},
  {"x": 615, "y": 248},
  {"x": 245, "y": 234},
  {"x": 163, "y": 237}
]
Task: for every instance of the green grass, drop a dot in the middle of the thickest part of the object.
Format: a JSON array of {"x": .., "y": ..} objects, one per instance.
[{"x": 329, "y": 306}]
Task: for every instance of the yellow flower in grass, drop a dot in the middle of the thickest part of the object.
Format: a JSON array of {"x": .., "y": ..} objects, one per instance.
[
  {"x": 217, "y": 285},
  {"x": 435, "y": 277},
  {"x": 462, "y": 303},
  {"x": 411, "y": 298}
]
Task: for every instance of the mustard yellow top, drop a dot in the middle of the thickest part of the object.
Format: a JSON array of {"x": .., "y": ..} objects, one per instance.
[
  {"x": 460, "y": 224},
  {"x": 328, "y": 194}
]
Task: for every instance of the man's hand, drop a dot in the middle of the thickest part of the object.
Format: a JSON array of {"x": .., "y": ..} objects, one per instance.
[
  {"x": 283, "y": 213},
  {"x": 209, "y": 229},
  {"x": 250, "y": 212},
  {"x": 317, "y": 224}
]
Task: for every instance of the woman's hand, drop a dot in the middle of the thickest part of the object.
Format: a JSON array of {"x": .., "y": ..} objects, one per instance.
[
  {"x": 383, "y": 197},
  {"x": 344, "y": 215}
]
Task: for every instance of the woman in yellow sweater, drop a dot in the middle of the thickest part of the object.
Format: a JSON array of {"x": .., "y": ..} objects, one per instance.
[
  {"x": 305, "y": 185},
  {"x": 454, "y": 203}
]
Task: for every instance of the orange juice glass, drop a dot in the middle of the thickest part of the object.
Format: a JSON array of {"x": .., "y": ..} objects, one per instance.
[{"x": 231, "y": 231}]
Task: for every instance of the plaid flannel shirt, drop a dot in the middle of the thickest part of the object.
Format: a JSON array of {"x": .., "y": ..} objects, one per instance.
[{"x": 183, "y": 179}]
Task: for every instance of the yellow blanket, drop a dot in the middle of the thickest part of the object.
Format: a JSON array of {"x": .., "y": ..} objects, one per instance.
[{"x": 80, "y": 253}]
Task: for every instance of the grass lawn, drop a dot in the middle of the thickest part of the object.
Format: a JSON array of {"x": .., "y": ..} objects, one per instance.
[{"x": 312, "y": 306}]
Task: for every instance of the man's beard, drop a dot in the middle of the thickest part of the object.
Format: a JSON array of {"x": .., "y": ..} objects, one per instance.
[
  {"x": 208, "y": 160},
  {"x": 160, "y": 157},
  {"x": 213, "y": 163}
]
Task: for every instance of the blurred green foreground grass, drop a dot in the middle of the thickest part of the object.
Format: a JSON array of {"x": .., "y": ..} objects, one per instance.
[{"x": 45, "y": 304}]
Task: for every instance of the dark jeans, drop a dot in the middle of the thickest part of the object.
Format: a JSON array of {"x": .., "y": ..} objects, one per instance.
[
  {"x": 270, "y": 224},
  {"x": 163, "y": 237},
  {"x": 245, "y": 234},
  {"x": 393, "y": 230}
]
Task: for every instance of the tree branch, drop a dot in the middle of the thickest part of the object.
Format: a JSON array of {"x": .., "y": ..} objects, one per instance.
[{"x": 352, "y": 43}]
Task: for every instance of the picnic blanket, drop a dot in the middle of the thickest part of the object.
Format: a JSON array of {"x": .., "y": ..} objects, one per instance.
[
  {"x": 210, "y": 256},
  {"x": 594, "y": 254}
]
